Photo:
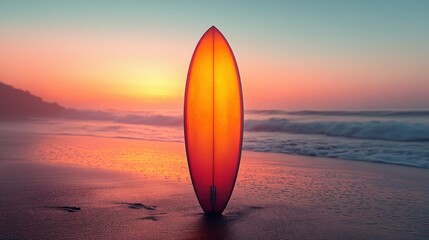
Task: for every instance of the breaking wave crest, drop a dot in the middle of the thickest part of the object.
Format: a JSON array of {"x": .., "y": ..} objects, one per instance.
[
  {"x": 384, "y": 113},
  {"x": 378, "y": 130}
]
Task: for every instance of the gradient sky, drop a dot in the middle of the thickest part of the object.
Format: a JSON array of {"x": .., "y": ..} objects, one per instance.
[{"x": 291, "y": 54}]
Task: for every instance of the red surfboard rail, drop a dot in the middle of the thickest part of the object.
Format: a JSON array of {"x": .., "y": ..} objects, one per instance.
[{"x": 213, "y": 121}]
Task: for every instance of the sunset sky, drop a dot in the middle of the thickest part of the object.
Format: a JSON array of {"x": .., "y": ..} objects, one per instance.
[{"x": 134, "y": 55}]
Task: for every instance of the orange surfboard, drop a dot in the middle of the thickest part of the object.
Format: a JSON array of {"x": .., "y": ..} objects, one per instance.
[{"x": 213, "y": 118}]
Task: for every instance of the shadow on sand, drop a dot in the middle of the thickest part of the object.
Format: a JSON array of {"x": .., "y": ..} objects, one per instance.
[
  {"x": 212, "y": 227},
  {"x": 219, "y": 226}
]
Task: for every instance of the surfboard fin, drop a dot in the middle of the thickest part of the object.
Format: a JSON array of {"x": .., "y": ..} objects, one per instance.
[{"x": 213, "y": 195}]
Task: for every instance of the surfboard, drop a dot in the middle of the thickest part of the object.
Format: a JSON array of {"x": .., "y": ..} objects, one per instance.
[{"x": 213, "y": 121}]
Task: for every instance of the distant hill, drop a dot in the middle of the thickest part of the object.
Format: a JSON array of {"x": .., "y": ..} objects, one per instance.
[{"x": 19, "y": 104}]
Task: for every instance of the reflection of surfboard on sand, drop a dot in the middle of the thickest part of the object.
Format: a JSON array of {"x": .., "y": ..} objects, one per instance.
[{"x": 213, "y": 117}]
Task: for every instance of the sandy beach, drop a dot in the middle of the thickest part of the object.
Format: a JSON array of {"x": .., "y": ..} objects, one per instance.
[{"x": 70, "y": 187}]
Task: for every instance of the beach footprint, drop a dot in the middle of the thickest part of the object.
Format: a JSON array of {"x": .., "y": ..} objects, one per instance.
[
  {"x": 154, "y": 217},
  {"x": 137, "y": 205},
  {"x": 150, "y": 218},
  {"x": 64, "y": 208}
]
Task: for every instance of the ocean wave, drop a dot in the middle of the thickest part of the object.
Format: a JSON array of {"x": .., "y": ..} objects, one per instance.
[
  {"x": 397, "y": 153},
  {"x": 384, "y": 113},
  {"x": 153, "y": 119},
  {"x": 381, "y": 130},
  {"x": 302, "y": 138}
]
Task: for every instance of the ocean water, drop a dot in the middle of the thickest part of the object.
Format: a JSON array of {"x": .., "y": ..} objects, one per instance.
[{"x": 391, "y": 137}]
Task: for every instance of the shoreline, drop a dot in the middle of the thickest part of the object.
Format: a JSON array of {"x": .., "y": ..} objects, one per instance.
[{"x": 182, "y": 143}]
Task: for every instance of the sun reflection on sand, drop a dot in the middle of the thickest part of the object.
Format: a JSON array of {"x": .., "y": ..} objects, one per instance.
[{"x": 152, "y": 159}]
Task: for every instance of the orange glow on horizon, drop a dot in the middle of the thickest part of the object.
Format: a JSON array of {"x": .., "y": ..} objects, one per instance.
[
  {"x": 103, "y": 70},
  {"x": 81, "y": 72}
]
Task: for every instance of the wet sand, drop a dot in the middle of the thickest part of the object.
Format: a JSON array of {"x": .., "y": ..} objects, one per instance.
[{"x": 69, "y": 187}]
